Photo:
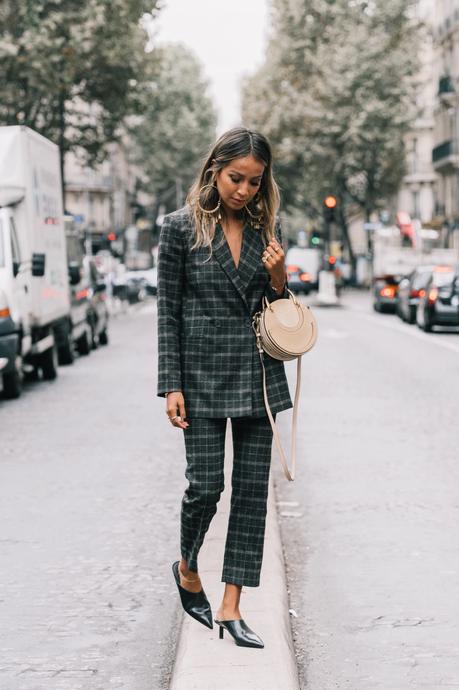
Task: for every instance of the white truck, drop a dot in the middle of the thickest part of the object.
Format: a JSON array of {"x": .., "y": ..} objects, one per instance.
[{"x": 34, "y": 282}]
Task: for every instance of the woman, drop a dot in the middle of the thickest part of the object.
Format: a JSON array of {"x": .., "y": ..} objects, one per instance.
[{"x": 218, "y": 257}]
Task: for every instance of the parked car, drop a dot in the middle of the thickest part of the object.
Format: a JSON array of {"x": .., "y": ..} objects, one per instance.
[
  {"x": 439, "y": 300},
  {"x": 136, "y": 286},
  {"x": 385, "y": 293},
  {"x": 409, "y": 290},
  {"x": 298, "y": 280},
  {"x": 97, "y": 315},
  {"x": 302, "y": 266},
  {"x": 77, "y": 331}
]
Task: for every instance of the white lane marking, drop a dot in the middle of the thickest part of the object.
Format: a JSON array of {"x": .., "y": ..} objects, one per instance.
[{"x": 413, "y": 331}]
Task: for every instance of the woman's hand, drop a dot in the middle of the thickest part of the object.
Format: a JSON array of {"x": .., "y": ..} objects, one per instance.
[
  {"x": 175, "y": 409},
  {"x": 274, "y": 262}
]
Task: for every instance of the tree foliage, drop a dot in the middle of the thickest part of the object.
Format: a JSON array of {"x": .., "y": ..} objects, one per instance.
[
  {"x": 336, "y": 96},
  {"x": 177, "y": 124},
  {"x": 70, "y": 70}
]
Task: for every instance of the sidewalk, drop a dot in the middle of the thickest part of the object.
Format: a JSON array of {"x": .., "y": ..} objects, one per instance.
[{"x": 203, "y": 661}]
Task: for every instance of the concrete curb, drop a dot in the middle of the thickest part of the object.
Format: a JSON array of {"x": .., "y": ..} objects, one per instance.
[{"x": 203, "y": 661}]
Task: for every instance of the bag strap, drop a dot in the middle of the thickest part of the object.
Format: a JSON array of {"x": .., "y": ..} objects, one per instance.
[{"x": 290, "y": 474}]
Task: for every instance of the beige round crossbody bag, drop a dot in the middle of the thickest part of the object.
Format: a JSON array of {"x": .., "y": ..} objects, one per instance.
[{"x": 285, "y": 329}]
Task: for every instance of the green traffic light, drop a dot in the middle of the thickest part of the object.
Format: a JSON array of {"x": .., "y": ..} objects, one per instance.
[{"x": 315, "y": 240}]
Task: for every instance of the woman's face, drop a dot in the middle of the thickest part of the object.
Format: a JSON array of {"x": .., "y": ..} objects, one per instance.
[{"x": 239, "y": 181}]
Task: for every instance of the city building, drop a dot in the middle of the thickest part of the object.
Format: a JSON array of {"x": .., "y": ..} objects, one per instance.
[
  {"x": 417, "y": 192},
  {"x": 102, "y": 199},
  {"x": 445, "y": 153}
]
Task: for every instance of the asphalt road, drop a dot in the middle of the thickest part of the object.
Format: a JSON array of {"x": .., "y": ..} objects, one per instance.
[
  {"x": 91, "y": 479},
  {"x": 370, "y": 525},
  {"x": 90, "y": 486}
]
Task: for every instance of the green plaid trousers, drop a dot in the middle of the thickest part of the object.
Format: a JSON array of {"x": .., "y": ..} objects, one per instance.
[{"x": 205, "y": 451}]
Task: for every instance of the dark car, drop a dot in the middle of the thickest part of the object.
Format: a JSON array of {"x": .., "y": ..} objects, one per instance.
[
  {"x": 439, "y": 300},
  {"x": 409, "y": 289},
  {"x": 385, "y": 293},
  {"x": 76, "y": 331},
  {"x": 136, "y": 286},
  {"x": 97, "y": 315}
]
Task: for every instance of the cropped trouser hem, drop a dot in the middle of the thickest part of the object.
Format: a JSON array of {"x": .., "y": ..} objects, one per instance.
[
  {"x": 205, "y": 452},
  {"x": 241, "y": 579}
]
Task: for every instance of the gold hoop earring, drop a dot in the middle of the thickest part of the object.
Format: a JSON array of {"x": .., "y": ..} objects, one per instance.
[{"x": 207, "y": 211}]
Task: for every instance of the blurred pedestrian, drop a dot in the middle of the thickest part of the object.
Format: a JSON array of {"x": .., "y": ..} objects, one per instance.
[{"x": 218, "y": 257}]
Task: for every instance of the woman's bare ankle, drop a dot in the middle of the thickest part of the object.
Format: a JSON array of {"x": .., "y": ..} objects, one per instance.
[
  {"x": 186, "y": 572},
  {"x": 228, "y": 613},
  {"x": 189, "y": 579}
]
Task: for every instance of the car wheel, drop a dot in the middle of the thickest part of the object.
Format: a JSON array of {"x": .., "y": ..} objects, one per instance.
[
  {"x": 32, "y": 375},
  {"x": 12, "y": 381},
  {"x": 412, "y": 315},
  {"x": 427, "y": 325},
  {"x": 83, "y": 344},
  {"x": 94, "y": 340},
  {"x": 103, "y": 337},
  {"x": 66, "y": 354},
  {"x": 377, "y": 307},
  {"x": 48, "y": 363}
]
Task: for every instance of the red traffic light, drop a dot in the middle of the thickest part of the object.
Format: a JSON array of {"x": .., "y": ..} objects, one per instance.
[
  {"x": 332, "y": 260},
  {"x": 330, "y": 201},
  {"x": 111, "y": 237}
]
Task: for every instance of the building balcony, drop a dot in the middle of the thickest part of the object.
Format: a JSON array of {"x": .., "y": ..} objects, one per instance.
[
  {"x": 419, "y": 172},
  {"x": 90, "y": 182},
  {"x": 445, "y": 156}
]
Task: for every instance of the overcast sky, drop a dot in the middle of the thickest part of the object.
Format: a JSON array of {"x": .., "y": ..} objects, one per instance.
[{"x": 228, "y": 36}]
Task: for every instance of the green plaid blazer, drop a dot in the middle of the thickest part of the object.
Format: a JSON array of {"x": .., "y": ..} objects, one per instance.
[{"x": 206, "y": 345}]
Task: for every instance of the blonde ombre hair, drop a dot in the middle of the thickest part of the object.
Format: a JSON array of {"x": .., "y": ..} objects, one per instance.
[{"x": 236, "y": 143}]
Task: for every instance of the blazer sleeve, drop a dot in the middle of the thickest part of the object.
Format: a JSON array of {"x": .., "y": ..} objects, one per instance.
[
  {"x": 169, "y": 304},
  {"x": 269, "y": 292}
]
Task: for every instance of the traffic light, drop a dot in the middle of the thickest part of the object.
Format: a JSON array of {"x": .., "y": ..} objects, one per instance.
[
  {"x": 315, "y": 239},
  {"x": 330, "y": 203},
  {"x": 331, "y": 262}
]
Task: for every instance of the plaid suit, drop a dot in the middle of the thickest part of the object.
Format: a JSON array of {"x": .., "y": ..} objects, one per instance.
[
  {"x": 207, "y": 350},
  {"x": 206, "y": 345}
]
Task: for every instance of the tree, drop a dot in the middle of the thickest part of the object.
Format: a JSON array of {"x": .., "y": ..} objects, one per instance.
[
  {"x": 69, "y": 70},
  {"x": 336, "y": 96},
  {"x": 176, "y": 127}
]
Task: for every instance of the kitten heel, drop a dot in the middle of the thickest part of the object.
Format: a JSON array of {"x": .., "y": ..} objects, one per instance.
[{"x": 241, "y": 633}]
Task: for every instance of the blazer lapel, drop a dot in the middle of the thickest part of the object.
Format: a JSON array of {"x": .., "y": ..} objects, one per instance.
[
  {"x": 224, "y": 257},
  {"x": 252, "y": 249}
]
